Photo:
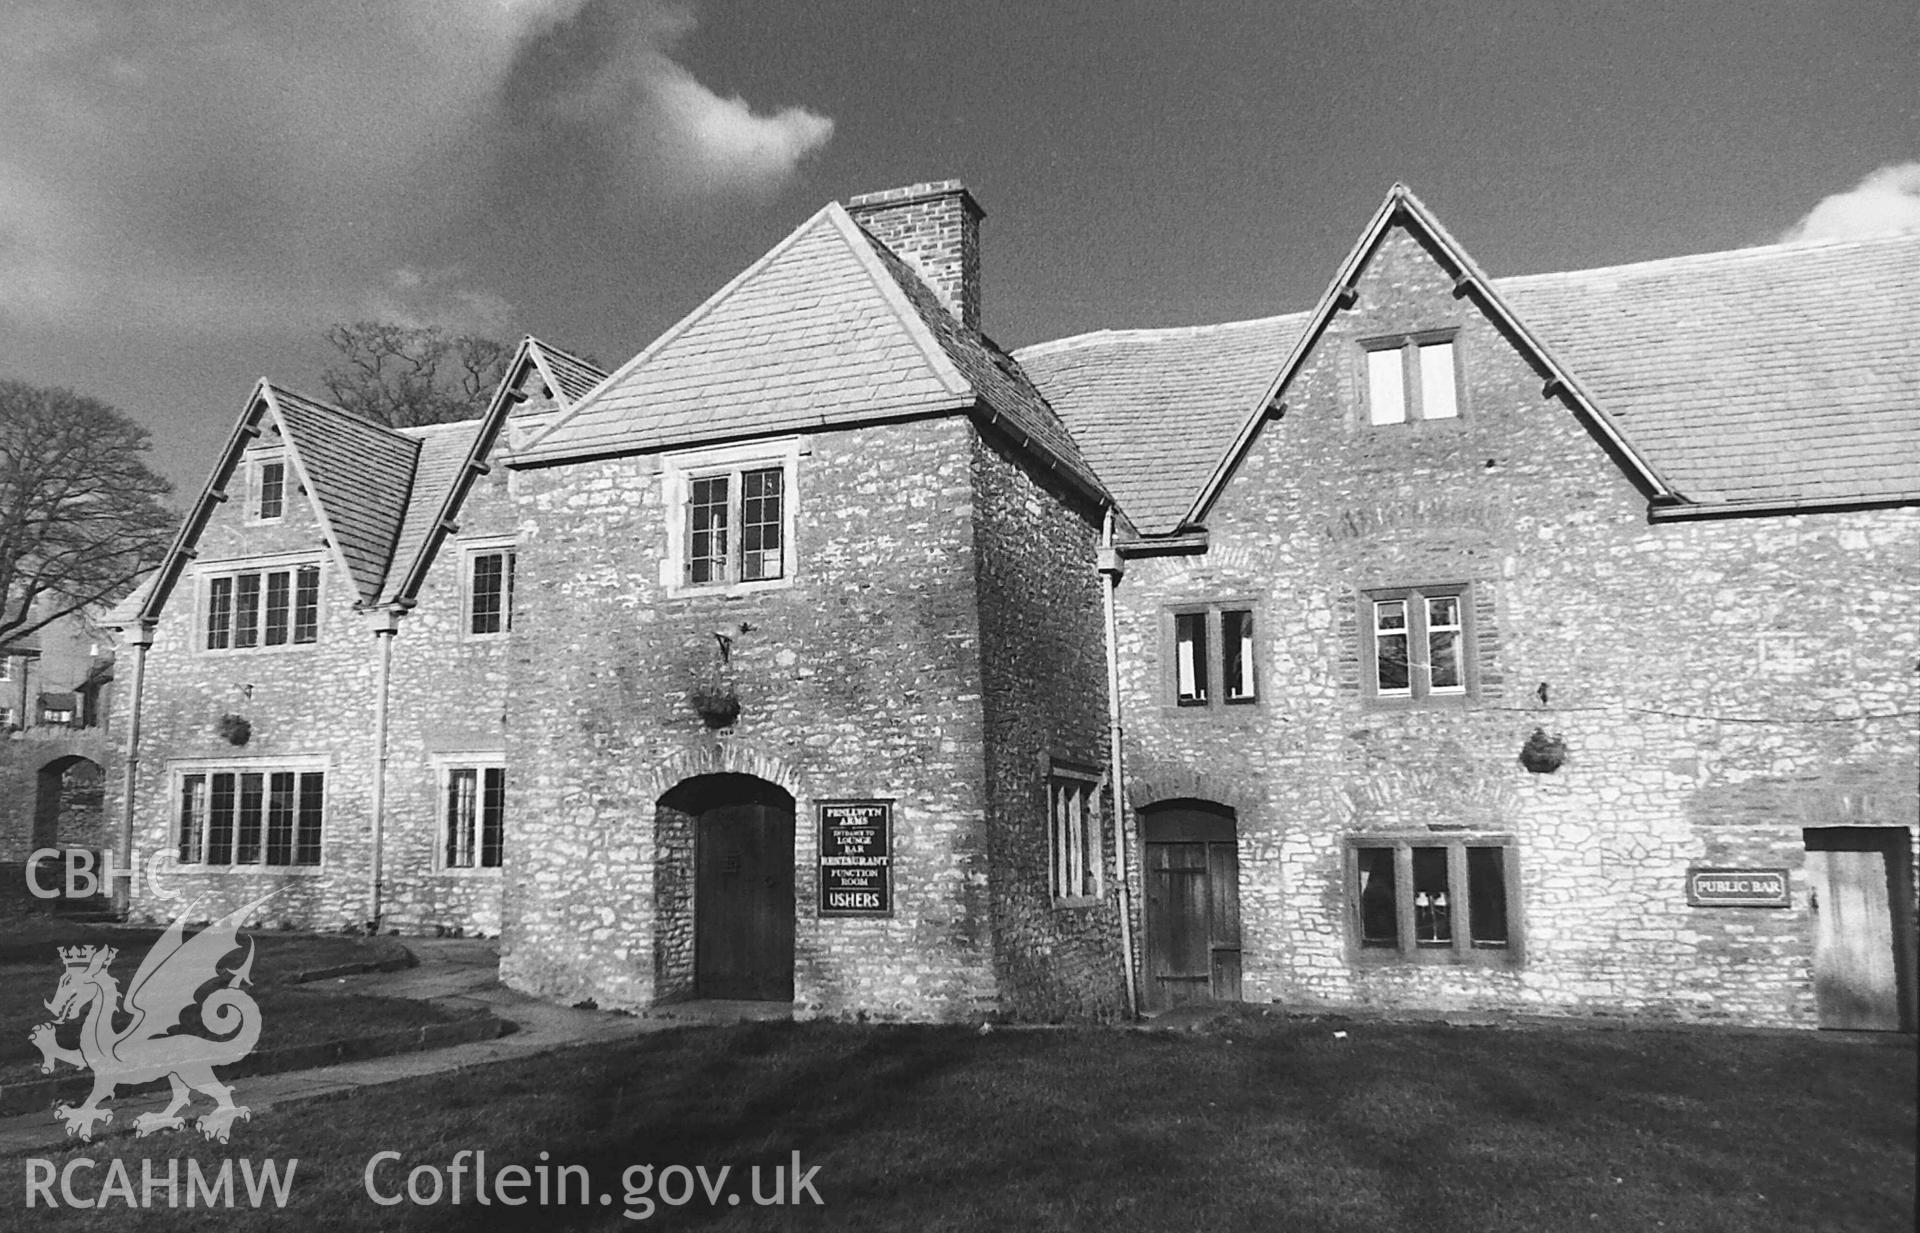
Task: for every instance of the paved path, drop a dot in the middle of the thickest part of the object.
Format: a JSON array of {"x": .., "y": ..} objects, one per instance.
[{"x": 460, "y": 971}]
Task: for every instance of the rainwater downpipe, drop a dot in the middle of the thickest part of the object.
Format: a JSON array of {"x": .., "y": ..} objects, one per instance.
[
  {"x": 140, "y": 639},
  {"x": 385, "y": 622},
  {"x": 1110, "y": 571}
]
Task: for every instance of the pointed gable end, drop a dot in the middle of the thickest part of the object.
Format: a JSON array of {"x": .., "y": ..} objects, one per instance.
[
  {"x": 815, "y": 333},
  {"x": 356, "y": 473},
  {"x": 454, "y": 456},
  {"x": 1402, "y": 207}
]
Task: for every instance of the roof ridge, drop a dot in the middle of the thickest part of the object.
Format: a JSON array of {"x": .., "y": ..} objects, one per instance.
[
  {"x": 1750, "y": 252},
  {"x": 1054, "y": 345}
]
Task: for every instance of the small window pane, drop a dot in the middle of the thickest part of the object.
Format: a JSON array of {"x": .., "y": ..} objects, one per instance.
[
  {"x": 760, "y": 524},
  {"x": 1190, "y": 657},
  {"x": 487, "y": 593},
  {"x": 1236, "y": 655},
  {"x": 1390, "y": 646},
  {"x": 219, "y": 849},
  {"x": 280, "y": 803},
  {"x": 246, "y": 610},
  {"x": 707, "y": 530},
  {"x": 219, "y": 614},
  {"x": 1437, "y": 400},
  {"x": 1487, "y": 895},
  {"x": 493, "y": 804},
  {"x": 1432, "y": 919},
  {"x": 462, "y": 806},
  {"x": 247, "y": 829},
  {"x": 313, "y": 797},
  {"x": 1379, "y": 909},
  {"x": 1444, "y": 642},
  {"x": 1386, "y": 387},
  {"x": 278, "y": 585},
  {"x": 193, "y": 817},
  {"x": 273, "y": 489},
  {"x": 306, "y": 604}
]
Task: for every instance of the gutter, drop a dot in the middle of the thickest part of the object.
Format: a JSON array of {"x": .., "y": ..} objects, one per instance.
[
  {"x": 385, "y": 623},
  {"x": 1111, "y": 571},
  {"x": 141, "y": 641}
]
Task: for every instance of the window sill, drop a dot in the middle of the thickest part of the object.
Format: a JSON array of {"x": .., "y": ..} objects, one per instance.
[
  {"x": 281, "y": 649},
  {"x": 303, "y": 871},
  {"x": 730, "y": 590},
  {"x": 470, "y": 871},
  {"x": 1072, "y": 902},
  {"x": 1441, "y": 957},
  {"x": 1426, "y": 702}
]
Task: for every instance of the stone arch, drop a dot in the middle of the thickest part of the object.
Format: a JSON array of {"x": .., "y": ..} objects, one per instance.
[
  {"x": 69, "y": 803},
  {"x": 1152, "y": 783},
  {"x": 724, "y": 894},
  {"x": 721, "y": 757}
]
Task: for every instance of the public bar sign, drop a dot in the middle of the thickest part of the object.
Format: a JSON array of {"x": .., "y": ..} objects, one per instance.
[
  {"x": 856, "y": 858},
  {"x": 1738, "y": 888}
]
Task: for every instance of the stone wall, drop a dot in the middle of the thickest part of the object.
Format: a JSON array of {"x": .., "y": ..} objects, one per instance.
[
  {"x": 1043, "y": 663},
  {"x": 302, "y": 701},
  {"x": 447, "y": 706},
  {"x": 316, "y": 702},
  {"x": 1719, "y": 685},
  {"x": 859, "y": 679}
]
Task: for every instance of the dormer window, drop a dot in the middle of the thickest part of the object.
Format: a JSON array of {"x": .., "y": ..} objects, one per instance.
[{"x": 1412, "y": 377}]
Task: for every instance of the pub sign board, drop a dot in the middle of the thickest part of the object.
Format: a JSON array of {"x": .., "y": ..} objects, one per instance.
[
  {"x": 1738, "y": 888},
  {"x": 856, "y": 858}
]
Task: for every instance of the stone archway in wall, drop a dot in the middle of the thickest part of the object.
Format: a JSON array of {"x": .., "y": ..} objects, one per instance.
[
  {"x": 69, "y": 806},
  {"x": 724, "y": 888}
]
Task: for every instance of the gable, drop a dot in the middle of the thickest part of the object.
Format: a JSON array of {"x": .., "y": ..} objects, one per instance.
[
  {"x": 355, "y": 474},
  {"x": 815, "y": 332}
]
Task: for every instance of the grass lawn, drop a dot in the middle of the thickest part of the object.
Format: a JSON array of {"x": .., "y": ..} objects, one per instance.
[
  {"x": 290, "y": 1014},
  {"x": 1270, "y": 1125}
]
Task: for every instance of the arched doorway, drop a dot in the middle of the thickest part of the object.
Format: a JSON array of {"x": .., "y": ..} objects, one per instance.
[
  {"x": 743, "y": 885},
  {"x": 69, "y": 809},
  {"x": 1193, "y": 904}
]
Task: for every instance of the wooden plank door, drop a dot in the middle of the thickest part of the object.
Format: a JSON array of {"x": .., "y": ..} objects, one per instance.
[
  {"x": 1855, "y": 974},
  {"x": 743, "y": 903},
  {"x": 1193, "y": 924}
]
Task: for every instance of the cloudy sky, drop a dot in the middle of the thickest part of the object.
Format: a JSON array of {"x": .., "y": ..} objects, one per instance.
[{"x": 190, "y": 192}]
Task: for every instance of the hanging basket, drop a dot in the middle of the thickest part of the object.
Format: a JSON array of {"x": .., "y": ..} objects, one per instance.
[
  {"x": 1543, "y": 754},
  {"x": 717, "y": 705},
  {"x": 234, "y": 729}
]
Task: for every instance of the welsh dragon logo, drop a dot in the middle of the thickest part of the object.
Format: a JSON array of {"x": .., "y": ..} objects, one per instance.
[{"x": 149, "y": 1043}]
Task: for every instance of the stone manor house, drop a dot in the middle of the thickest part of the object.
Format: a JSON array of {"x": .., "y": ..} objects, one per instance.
[{"x": 1525, "y": 644}]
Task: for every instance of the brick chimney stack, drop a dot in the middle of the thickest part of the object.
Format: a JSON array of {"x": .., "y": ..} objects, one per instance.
[{"x": 935, "y": 228}]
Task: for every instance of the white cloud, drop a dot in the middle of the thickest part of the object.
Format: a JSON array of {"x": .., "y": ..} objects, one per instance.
[
  {"x": 1888, "y": 200},
  {"x": 679, "y": 138},
  {"x": 241, "y": 165}
]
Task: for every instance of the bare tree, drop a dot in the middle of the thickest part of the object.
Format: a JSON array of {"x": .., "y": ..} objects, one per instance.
[
  {"x": 402, "y": 375},
  {"x": 81, "y": 516}
]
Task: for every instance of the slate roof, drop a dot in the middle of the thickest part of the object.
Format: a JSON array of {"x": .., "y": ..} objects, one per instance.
[
  {"x": 829, "y": 328},
  {"x": 1152, "y": 409},
  {"x": 572, "y": 377},
  {"x": 444, "y": 451},
  {"x": 360, "y": 474},
  {"x": 1766, "y": 376},
  {"x": 1763, "y": 375}
]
